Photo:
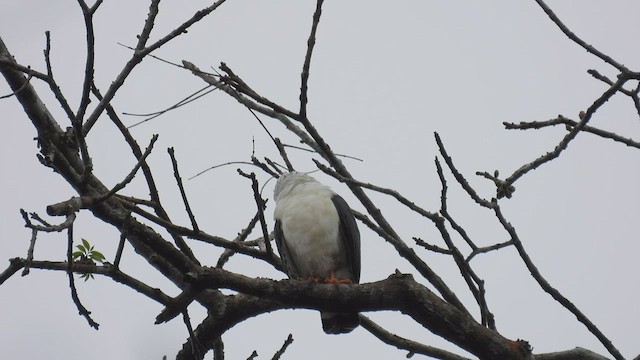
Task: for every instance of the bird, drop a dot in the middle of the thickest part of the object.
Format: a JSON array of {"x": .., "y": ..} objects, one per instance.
[{"x": 318, "y": 239}]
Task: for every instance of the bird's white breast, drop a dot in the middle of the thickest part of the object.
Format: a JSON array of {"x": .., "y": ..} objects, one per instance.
[{"x": 310, "y": 225}]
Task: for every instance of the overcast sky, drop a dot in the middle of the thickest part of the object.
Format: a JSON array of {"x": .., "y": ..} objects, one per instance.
[{"x": 383, "y": 79}]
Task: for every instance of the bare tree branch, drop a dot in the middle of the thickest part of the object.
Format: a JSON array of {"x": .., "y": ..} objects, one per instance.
[
  {"x": 74, "y": 292},
  {"x": 571, "y": 135},
  {"x": 398, "y": 292},
  {"x": 404, "y": 344},
  {"x": 311, "y": 42},
  {"x": 533, "y": 269},
  {"x": 573, "y": 354},
  {"x": 66, "y": 152},
  {"x": 141, "y": 51},
  {"x": 570, "y": 124},
  {"x": 283, "y": 348},
  {"x": 579, "y": 41},
  {"x": 187, "y": 207}
]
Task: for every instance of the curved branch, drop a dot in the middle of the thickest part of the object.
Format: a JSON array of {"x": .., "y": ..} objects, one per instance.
[
  {"x": 573, "y": 354},
  {"x": 571, "y": 35},
  {"x": 405, "y": 344},
  {"x": 398, "y": 292}
]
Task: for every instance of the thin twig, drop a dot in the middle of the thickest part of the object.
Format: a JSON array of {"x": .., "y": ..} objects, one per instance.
[
  {"x": 142, "y": 51},
  {"x": 544, "y": 284},
  {"x": 210, "y": 239},
  {"x": 608, "y": 81},
  {"x": 466, "y": 271},
  {"x": 264, "y": 167},
  {"x": 461, "y": 180},
  {"x": 283, "y": 154},
  {"x": 89, "y": 64},
  {"x": 70, "y": 218},
  {"x": 146, "y": 170},
  {"x": 459, "y": 229},
  {"x": 434, "y": 248},
  {"x": 276, "y": 169},
  {"x": 260, "y": 203},
  {"x": 590, "y": 49},
  {"x": 242, "y": 87},
  {"x": 242, "y": 236},
  {"x": 153, "y": 190},
  {"x": 191, "y": 98},
  {"x": 255, "y": 102},
  {"x": 573, "y": 354},
  {"x": 135, "y": 148},
  {"x": 176, "y": 173},
  {"x": 55, "y": 89},
  {"x": 74, "y": 292},
  {"x": 486, "y": 249},
  {"x": 123, "y": 238},
  {"x": 220, "y": 165},
  {"x": 313, "y": 151},
  {"x": 410, "y": 255},
  {"x": 283, "y": 348},
  {"x": 403, "y": 200},
  {"x": 412, "y": 347},
  {"x": 32, "y": 245},
  {"x": 119, "y": 186},
  {"x": 13, "y": 93},
  {"x": 307, "y": 59},
  {"x": 570, "y": 124},
  {"x": 564, "y": 143}
]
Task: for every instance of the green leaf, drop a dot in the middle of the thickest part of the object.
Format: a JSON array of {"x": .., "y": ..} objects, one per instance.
[
  {"x": 81, "y": 248},
  {"x": 77, "y": 254},
  {"x": 97, "y": 256},
  {"x": 87, "y": 276},
  {"x": 86, "y": 244}
]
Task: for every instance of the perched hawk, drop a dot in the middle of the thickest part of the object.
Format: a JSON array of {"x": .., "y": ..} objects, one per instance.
[{"x": 318, "y": 239}]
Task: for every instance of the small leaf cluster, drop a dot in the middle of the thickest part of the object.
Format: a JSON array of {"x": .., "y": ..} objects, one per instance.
[{"x": 86, "y": 254}]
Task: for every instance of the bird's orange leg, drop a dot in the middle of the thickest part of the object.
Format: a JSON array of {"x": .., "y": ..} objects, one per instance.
[
  {"x": 313, "y": 279},
  {"x": 334, "y": 280}
]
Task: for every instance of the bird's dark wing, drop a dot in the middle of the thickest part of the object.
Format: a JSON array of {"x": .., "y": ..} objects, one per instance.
[
  {"x": 349, "y": 235},
  {"x": 285, "y": 255}
]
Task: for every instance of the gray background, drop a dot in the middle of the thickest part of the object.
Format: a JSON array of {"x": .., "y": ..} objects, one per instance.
[{"x": 384, "y": 77}]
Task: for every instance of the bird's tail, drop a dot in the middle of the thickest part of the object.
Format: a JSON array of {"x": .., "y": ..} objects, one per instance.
[{"x": 339, "y": 323}]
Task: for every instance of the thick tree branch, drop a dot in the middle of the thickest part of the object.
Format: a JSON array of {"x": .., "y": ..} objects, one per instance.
[{"x": 398, "y": 292}]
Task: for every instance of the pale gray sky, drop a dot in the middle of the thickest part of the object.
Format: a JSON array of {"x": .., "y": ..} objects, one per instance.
[{"x": 383, "y": 79}]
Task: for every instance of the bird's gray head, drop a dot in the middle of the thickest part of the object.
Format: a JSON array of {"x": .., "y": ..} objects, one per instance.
[{"x": 289, "y": 180}]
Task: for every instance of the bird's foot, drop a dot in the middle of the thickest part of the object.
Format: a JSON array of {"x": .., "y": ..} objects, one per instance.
[{"x": 334, "y": 280}]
